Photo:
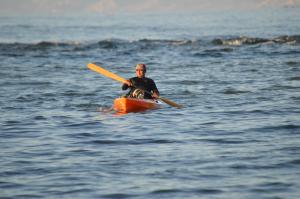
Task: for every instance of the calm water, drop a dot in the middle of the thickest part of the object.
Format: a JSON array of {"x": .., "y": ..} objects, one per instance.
[{"x": 237, "y": 74}]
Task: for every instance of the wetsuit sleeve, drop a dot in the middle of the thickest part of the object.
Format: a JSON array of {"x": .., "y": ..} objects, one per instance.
[
  {"x": 153, "y": 87},
  {"x": 125, "y": 87}
]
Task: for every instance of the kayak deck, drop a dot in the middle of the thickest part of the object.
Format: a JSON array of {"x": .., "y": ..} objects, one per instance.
[{"x": 128, "y": 105}]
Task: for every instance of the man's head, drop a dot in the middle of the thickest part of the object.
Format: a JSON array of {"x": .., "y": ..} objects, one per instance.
[{"x": 140, "y": 70}]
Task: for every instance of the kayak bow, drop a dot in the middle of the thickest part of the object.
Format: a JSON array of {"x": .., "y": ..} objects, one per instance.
[{"x": 128, "y": 105}]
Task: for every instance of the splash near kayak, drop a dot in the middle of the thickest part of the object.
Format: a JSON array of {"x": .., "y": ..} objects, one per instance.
[{"x": 128, "y": 105}]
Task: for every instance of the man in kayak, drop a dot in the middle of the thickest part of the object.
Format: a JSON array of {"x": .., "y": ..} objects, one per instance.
[{"x": 141, "y": 86}]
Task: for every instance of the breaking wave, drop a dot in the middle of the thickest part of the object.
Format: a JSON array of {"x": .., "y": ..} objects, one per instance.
[
  {"x": 238, "y": 41},
  {"x": 119, "y": 43}
]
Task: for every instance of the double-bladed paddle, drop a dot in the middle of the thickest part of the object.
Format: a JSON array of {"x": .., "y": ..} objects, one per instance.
[{"x": 111, "y": 75}]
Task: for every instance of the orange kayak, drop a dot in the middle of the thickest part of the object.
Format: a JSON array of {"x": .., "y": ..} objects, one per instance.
[{"x": 128, "y": 105}]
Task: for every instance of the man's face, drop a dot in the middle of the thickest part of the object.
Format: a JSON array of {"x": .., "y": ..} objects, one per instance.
[{"x": 140, "y": 71}]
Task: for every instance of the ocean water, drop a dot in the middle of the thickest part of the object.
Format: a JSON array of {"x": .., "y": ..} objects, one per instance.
[{"x": 237, "y": 74}]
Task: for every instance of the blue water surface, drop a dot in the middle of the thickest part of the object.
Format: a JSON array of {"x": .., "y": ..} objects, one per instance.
[{"x": 237, "y": 75}]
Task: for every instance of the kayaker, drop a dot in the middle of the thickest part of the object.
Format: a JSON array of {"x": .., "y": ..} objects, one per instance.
[{"x": 141, "y": 86}]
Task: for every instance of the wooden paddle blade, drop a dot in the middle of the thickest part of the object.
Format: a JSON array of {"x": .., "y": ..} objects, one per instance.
[
  {"x": 105, "y": 72},
  {"x": 171, "y": 103}
]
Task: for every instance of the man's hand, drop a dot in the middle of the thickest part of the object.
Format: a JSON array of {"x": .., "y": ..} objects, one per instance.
[
  {"x": 155, "y": 95},
  {"x": 128, "y": 83}
]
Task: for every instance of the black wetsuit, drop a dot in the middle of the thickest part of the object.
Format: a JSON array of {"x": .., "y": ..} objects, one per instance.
[{"x": 145, "y": 83}]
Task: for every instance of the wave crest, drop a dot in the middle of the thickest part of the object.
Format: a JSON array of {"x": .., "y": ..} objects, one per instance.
[
  {"x": 119, "y": 43},
  {"x": 294, "y": 39}
]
